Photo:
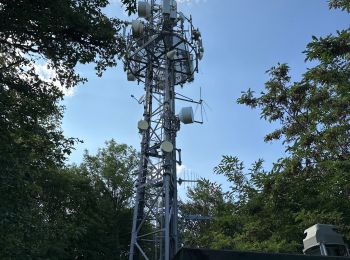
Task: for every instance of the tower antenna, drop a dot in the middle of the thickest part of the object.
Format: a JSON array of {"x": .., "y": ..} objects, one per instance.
[{"x": 161, "y": 54}]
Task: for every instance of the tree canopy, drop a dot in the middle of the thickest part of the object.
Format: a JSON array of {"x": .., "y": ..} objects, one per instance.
[
  {"x": 50, "y": 210},
  {"x": 269, "y": 210},
  {"x": 41, "y": 42}
]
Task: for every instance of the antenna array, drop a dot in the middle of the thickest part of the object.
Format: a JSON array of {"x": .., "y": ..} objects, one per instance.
[{"x": 163, "y": 50}]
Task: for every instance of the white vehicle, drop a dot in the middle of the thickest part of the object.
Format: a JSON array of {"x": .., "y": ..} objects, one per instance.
[{"x": 321, "y": 239}]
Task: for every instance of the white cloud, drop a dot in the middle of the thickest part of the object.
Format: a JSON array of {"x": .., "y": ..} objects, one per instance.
[
  {"x": 48, "y": 74},
  {"x": 43, "y": 71},
  {"x": 180, "y": 169},
  {"x": 187, "y": 173}
]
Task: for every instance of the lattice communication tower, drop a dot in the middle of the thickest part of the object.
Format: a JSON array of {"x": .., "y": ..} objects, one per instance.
[{"x": 163, "y": 50}]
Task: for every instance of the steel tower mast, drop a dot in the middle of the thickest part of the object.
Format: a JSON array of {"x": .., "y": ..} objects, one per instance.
[{"x": 163, "y": 49}]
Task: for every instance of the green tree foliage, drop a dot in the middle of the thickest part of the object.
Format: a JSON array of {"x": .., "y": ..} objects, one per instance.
[
  {"x": 130, "y": 6},
  {"x": 268, "y": 210},
  {"x": 35, "y": 36},
  {"x": 87, "y": 208},
  {"x": 313, "y": 113},
  {"x": 342, "y": 4},
  {"x": 206, "y": 200},
  {"x": 99, "y": 218}
]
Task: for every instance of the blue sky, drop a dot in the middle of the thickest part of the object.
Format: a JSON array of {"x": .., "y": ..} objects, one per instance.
[{"x": 242, "y": 39}]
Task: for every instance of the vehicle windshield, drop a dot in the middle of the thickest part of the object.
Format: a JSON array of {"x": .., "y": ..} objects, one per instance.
[
  {"x": 336, "y": 250},
  {"x": 315, "y": 250}
]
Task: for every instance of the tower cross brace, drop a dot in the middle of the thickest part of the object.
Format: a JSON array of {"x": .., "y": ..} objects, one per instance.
[{"x": 161, "y": 53}]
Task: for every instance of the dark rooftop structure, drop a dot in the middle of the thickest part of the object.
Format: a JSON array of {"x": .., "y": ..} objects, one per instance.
[{"x": 207, "y": 254}]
